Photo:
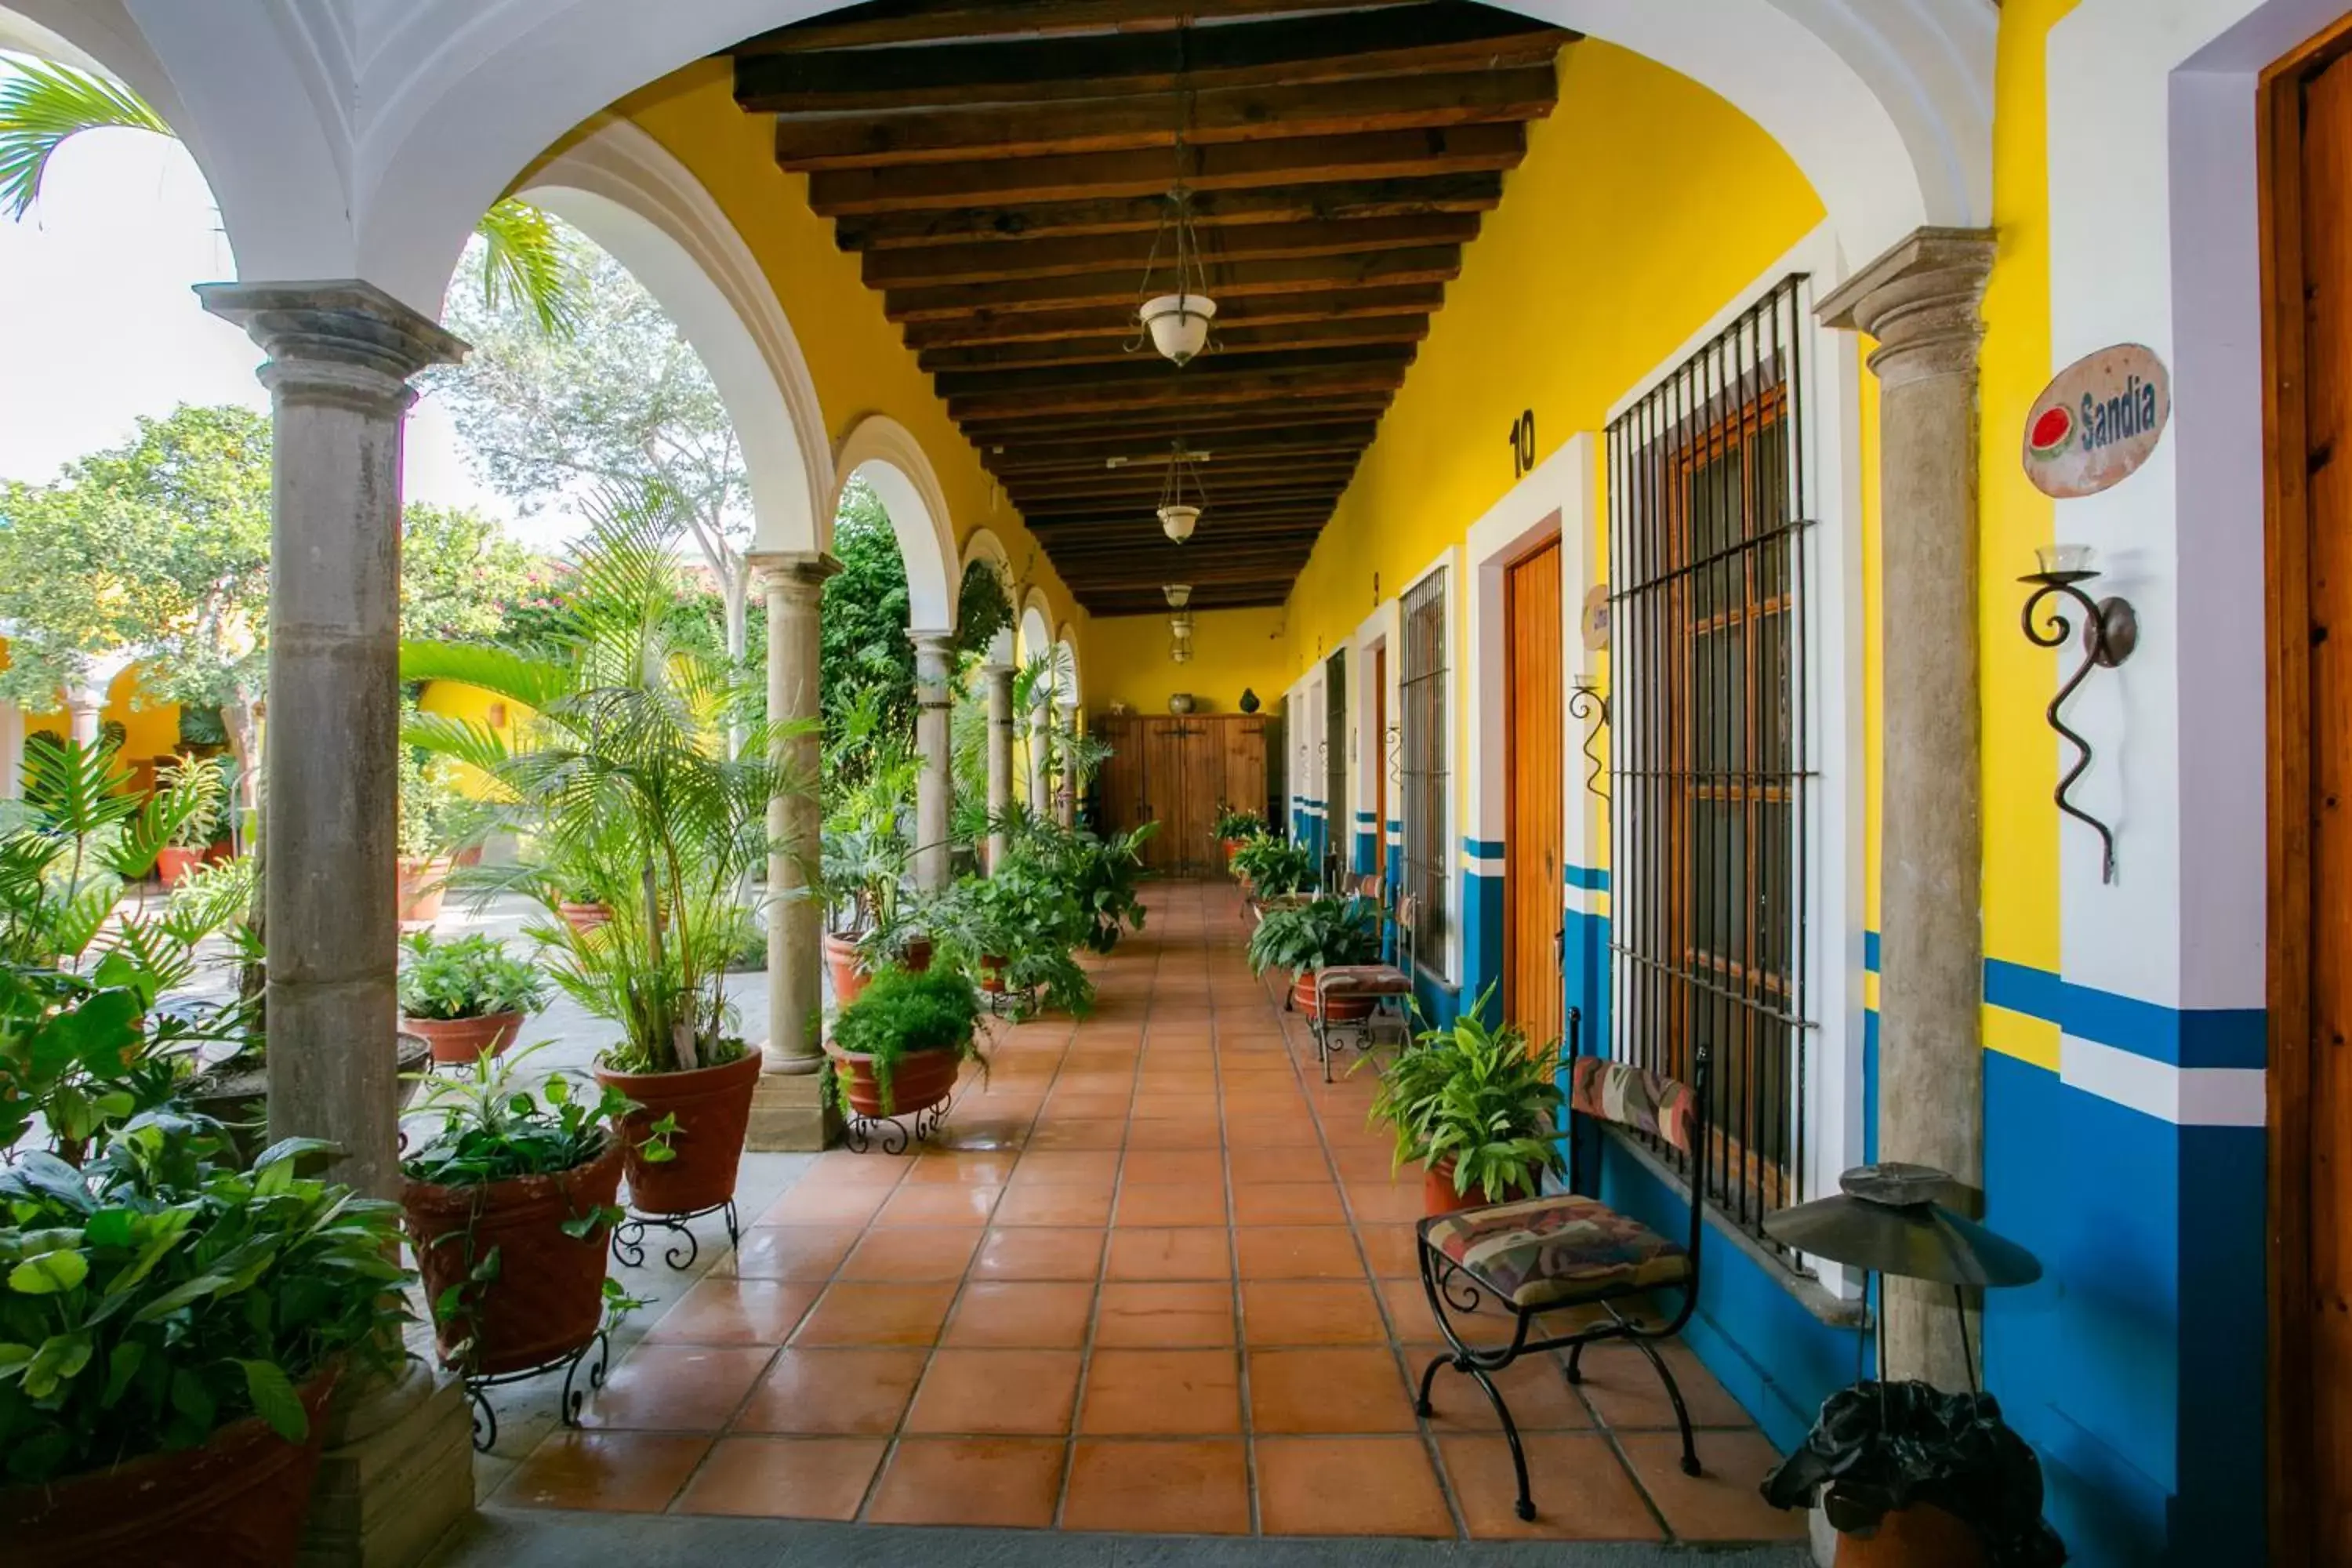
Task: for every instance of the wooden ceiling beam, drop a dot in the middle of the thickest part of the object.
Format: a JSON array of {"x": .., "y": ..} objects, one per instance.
[
  {"x": 1283, "y": 438},
  {"x": 1208, "y": 121},
  {"x": 924, "y": 22},
  {"x": 1113, "y": 348},
  {"x": 1240, "y": 280},
  {"x": 1297, "y": 159},
  {"x": 1091, "y": 322},
  {"x": 1270, "y": 491},
  {"x": 1145, "y": 484},
  {"x": 1156, "y": 426},
  {"x": 1280, "y": 387},
  {"x": 996, "y": 262},
  {"x": 1340, "y": 202},
  {"x": 1286, "y": 50},
  {"x": 1206, "y": 372}
]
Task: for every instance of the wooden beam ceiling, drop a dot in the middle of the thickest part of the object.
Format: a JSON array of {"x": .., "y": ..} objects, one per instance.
[{"x": 1002, "y": 168}]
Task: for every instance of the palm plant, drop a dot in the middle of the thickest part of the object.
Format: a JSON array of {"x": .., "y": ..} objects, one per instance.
[
  {"x": 621, "y": 774},
  {"x": 43, "y": 105},
  {"x": 1479, "y": 1102}
]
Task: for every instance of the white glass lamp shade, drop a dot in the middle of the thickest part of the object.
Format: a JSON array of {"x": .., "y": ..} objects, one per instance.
[
  {"x": 1179, "y": 323},
  {"x": 1179, "y": 520},
  {"x": 2067, "y": 560}
]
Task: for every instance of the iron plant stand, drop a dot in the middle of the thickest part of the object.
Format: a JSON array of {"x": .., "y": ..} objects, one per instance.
[
  {"x": 860, "y": 1134},
  {"x": 629, "y": 1235},
  {"x": 591, "y": 1355}
]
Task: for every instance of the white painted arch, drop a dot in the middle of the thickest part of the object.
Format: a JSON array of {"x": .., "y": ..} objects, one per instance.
[
  {"x": 1068, "y": 690},
  {"x": 986, "y": 550},
  {"x": 1036, "y": 631},
  {"x": 885, "y": 455},
  {"x": 626, "y": 191}
]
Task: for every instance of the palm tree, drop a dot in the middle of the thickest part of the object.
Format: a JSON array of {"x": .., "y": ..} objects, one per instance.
[{"x": 44, "y": 104}]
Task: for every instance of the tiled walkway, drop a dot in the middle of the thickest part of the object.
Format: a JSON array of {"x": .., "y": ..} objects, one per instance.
[{"x": 1160, "y": 1281}]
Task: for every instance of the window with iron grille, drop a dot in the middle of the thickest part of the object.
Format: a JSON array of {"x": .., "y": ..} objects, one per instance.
[
  {"x": 1420, "y": 694},
  {"x": 1708, "y": 529}
]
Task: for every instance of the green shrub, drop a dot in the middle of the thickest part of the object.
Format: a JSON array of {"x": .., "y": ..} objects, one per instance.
[
  {"x": 1479, "y": 1097},
  {"x": 472, "y": 977},
  {"x": 1321, "y": 933},
  {"x": 901, "y": 1014},
  {"x": 1238, "y": 823},
  {"x": 1275, "y": 865}
]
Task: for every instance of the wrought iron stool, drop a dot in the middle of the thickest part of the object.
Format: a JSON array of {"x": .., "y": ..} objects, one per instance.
[
  {"x": 1538, "y": 1254},
  {"x": 1382, "y": 984}
]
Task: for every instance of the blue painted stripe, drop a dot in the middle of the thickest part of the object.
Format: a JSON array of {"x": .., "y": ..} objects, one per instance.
[
  {"x": 1483, "y": 847},
  {"x": 1594, "y": 877},
  {"x": 1870, "y": 951}
]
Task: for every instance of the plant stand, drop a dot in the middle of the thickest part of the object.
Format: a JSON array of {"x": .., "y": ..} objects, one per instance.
[
  {"x": 895, "y": 1133},
  {"x": 591, "y": 1355},
  {"x": 629, "y": 1235}
]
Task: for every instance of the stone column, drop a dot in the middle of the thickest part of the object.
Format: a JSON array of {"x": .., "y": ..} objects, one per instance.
[
  {"x": 84, "y": 706},
  {"x": 1069, "y": 782},
  {"x": 398, "y": 1464},
  {"x": 935, "y": 785},
  {"x": 999, "y": 756},
  {"x": 787, "y": 1112},
  {"x": 1040, "y": 710},
  {"x": 1920, "y": 302}
]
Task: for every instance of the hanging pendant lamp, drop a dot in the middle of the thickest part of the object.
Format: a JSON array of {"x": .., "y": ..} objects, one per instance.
[
  {"x": 1181, "y": 497},
  {"x": 1177, "y": 318},
  {"x": 1180, "y": 621}
]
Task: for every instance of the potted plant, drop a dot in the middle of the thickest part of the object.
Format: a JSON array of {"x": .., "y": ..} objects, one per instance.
[
  {"x": 508, "y": 1206},
  {"x": 1018, "y": 928},
  {"x": 898, "y": 1048},
  {"x": 1268, "y": 866},
  {"x": 1101, "y": 875},
  {"x": 1235, "y": 827},
  {"x": 1905, "y": 1473},
  {"x": 863, "y": 868},
  {"x": 466, "y": 997},
  {"x": 1319, "y": 933},
  {"x": 170, "y": 1327},
  {"x": 625, "y": 776},
  {"x": 191, "y": 837},
  {"x": 1478, "y": 1109}
]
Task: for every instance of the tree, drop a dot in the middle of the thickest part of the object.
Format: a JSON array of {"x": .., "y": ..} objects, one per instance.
[
  {"x": 460, "y": 574},
  {"x": 862, "y": 639},
  {"x": 43, "y": 105},
  {"x": 622, "y": 400}
]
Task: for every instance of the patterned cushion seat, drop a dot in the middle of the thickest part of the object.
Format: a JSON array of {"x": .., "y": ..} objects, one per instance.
[
  {"x": 1554, "y": 1251},
  {"x": 1364, "y": 980}
]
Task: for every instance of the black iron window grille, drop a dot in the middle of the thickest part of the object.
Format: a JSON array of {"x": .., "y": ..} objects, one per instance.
[
  {"x": 1338, "y": 827},
  {"x": 1421, "y": 698},
  {"x": 1709, "y": 521}
]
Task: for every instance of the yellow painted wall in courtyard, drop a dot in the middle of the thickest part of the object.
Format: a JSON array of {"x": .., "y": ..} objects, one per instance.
[{"x": 1231, "y": 649}]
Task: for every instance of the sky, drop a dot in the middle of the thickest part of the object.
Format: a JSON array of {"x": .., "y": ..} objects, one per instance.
[{"x": 100, "y": 326}]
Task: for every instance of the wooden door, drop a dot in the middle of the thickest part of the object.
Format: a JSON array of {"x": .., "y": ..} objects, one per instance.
[
  {"x": 1241, "y": 746},
  {"x": 1163, "y": 770},
  {"x": 1120, "y": 784},
  {"x": 1378, "y": 741},
  {"x": 2308, "y": 291},
  {"x": 1533, "y": 813},
  {"x": 1201, "y": 753}
]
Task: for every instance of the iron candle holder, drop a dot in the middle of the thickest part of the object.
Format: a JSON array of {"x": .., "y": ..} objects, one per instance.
[
  {"x": 2110, "y": 633},
  {"x": 1588, "y": 705}
]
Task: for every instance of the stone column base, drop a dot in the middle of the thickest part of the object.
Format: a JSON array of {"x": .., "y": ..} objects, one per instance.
[
  {"x": 397, "y": 1473},
  {"x": 788, "y": 1117}
]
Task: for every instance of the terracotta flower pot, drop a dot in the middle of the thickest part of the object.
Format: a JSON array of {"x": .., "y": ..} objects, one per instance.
[
  {"x": 919, "y": 1081},
  {"x": 219, "y": 852},
  {"x": 1339, "y": 1010},
  {"x": 464, "y": 1040},
  {"x": 174, "y": 861},
  {"x": 992, "y": 975},
  {"x": 1232, "y": 847},
  {"x": 1922, "y": 1536},
  {"x": 471, "y": 855},
  {"x": 713, "y": 1107},
  {"x": 583, "y": 918},
  {"x": 847, "y": 967},
  {"x": 1438, "y": 1196},
  {"x": 549, "y": 1297},
  {"x": 422, "y": 885},
  {"x": 917, "y": 959},
  {"x": 242, "y": 1498}
]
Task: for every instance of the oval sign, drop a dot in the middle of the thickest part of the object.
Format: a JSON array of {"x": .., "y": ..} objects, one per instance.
[
  {"x": 2097, "y": 421},
  {"x": 1596, "y": 618}
]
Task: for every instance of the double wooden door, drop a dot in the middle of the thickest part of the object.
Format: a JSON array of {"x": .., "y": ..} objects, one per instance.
[
  {"x": 1176, "y": 772},
  {"x": 1533, "y": 989}
]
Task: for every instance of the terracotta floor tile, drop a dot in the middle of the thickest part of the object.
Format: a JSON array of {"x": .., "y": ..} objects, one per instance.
[
  {"x": 611, "y": 1472},
  {"x": 1060, "y": 1168},
  {"x": 1164, "y": 1167},
  {"x": 932, "y": 1252},
  {"x": 1201, "y": 1108},
  {"x": 856, "y": 1314},
  {"x": 1004, "y": 1481},
  {"x": 1163, "y": 1315},
  {"x": 1539, "y": 1396},
  {"x": 1062, "y": 1105},
  {"x": 996, "y": 1392},
  {"x": 1625, "y": 1391},
  {"x": 1392, "y": 1250},
  {"x": 1411, "y": 1320},
  {"x": 1177, "y": 1392},
  {"x": 1722, "y": 1504},
  {"x": 845, "y": 1392},
  {"x": 1194, "y": 1487},
  {"x": 797, "y": 1252},
  {"x": 785, "y": 1478},
  {"x": 1257, "y": 1130},
  {"x": 1286, "y": 1203},
  {"x": 677, "y": 1387},
  {"x": 1581, "y": 1489},
  {"x": 841, "y": 1168},
  {"x": 1384, "y": 1205},
  {"x": 1298, "y": 1252},
  {"x": 1020, "y": 1315},
  {"x": 810, "y": 1202},
  {"x": 1349, "y": 1486},
  {"x": 1185, "y": 1135},
  {"x": 966, "y": 1168},
  {"x": 1142, "y": 1253},
  {"x": 1343, "y": 1390},
  {"x": 1184, "y": 1203},
  {"x": 1078, "y": 1135},
  {"x": 1040, "y": 1252},
  {"x": 1252, "y": 1166},
  {"x": 722, "y": 1312},
  {"x": 1054, "y": 1205},
  {"x": 938, "y": 1204},
  {"x": 1311, "y": 1312}
]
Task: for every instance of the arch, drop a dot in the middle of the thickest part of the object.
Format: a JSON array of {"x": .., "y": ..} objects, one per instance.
[
  {"x": 886, "y": 456},
  {"x": 984, "y": 549},
  {"x": 1037, "y": 626},
  {"x": 1069, "y": 693},
  {"x": 626, "y": 191}
]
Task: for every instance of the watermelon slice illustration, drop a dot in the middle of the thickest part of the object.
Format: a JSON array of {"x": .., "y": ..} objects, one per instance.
[{"x": 2052, "y": 430}]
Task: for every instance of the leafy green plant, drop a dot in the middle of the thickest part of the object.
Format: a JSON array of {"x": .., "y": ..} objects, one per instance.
[
  {"x": 81, "y": 1055},
  {"x": 1479, "y": 1097},
  {"x": 207, "y": 781},
  {"x": 1101, "y": 875},
  {"x": 1275, "y": 865},
  {"x": 1024, "y": 922},
  {"x": 1321, "y": 933},
  {"x": 432, "y": 810},
  {"x": 472, "y": 977},
  {"x": 1237, "y": 823},
  {"x": 901, "y": 1014},
  {"x": 158, "y": 1294}
]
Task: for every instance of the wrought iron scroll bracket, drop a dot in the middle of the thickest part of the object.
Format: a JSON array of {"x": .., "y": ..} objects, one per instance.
[
  {"x": 1588, "y": 705},
  {"x": 2110, "y": 633}
]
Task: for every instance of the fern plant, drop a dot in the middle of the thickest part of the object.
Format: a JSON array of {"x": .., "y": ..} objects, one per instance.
[
  {"x": 1275, "y": 865},
  {"x": 1480, "y": 1098}
]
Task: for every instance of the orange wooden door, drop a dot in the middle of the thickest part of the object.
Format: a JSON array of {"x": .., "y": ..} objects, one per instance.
[
  {"x": 1378, "y": 741},
  {"x": 1533, "y": 814},
  {"x": 1163, "y": 770}
]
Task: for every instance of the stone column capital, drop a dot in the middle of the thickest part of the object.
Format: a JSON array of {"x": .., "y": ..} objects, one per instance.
[
  {"x": 788, "y": 569},
  {"x": 341, "y": 341},
  {"x": 1921, "y": 300}
]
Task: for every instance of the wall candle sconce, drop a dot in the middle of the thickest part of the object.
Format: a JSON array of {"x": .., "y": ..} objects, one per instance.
[
  {"x": 1588, "y": 705},
  {"x": 2110, "y": 633}
]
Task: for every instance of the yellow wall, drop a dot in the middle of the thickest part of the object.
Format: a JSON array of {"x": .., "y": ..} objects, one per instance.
[
  {"x": 1128, "y": 661},
  {"x": 150, "y": 729},
  {"x": 474, "y": 706}
]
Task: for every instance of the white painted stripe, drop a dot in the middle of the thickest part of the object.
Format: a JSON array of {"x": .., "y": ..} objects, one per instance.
[
  {"x": 2185, "y": 1096},
  {"x": 1585, "y": 900}
]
